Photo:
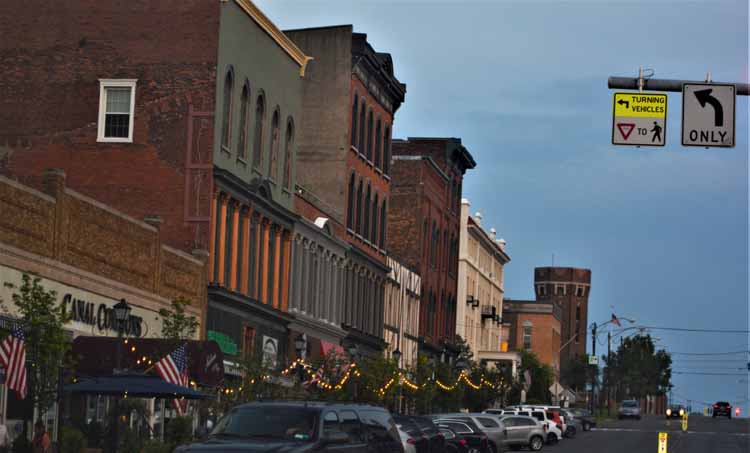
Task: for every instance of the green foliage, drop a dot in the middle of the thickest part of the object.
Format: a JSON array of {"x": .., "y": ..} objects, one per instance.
[
  {"x": 94, "y": 434},
  {"x": 176, "y": 324},
  {"x": 636, "y": 369},
  {"x": 179, "y": 431},
  {"x": 43, "y": 320},
  {"x": 155, "y": 446},
  {"x": 542, "y": 377},
  {"x": 577, "y": 373},
  {"x": 21, "y": 445},
  {"x": 377, "y": 371},
  {"x": 71, "y": 440}
]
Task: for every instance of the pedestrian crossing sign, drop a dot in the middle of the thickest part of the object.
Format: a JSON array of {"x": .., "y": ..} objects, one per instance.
[
  {"x": 639, "y": 119},
  {"x": 662, "y": 443}
]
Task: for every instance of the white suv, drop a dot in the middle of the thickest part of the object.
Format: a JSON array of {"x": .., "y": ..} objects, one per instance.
[{"x": 553, "y": 430}]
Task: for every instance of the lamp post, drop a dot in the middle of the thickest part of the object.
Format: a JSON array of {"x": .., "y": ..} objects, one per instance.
[
  {"x": 300, "y": 346},
  {"x": 122, "y": 313},
  {"x": 353, "y": 351},
  {"x": 396, "y": 355}
]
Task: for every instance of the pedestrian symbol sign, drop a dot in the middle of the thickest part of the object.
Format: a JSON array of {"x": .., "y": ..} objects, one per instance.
[
  {"x": 662, "y": 443},
  {"x": 639, "y": 119},
  {"x": 708, "y": 115}
]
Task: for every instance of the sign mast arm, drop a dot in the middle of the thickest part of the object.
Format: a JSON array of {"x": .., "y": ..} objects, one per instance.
[{"x": 630, "y": 83}]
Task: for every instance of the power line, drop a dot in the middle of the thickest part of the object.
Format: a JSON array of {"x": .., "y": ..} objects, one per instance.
[
  {"x": 701, "y": 373},
  {"x": 683, "y": 329},
  {"x": 710, "y": 353}
]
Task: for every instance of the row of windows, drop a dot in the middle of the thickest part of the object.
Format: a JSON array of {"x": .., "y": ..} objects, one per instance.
[
  {"x": 560, "y": 290},
  {"x": 245, "y": 145},
  {"x": 366, "y": 215},
  {"x": 434, "y": 325},
  {"x": 375, "y": 148},
  {"x": 448, "y": 259}
]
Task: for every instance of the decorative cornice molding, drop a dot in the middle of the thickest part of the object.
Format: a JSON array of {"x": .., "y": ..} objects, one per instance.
[{"x": 277, "y": 35}]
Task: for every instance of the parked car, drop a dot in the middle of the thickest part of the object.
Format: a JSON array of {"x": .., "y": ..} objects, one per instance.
[
  {"x": 491, "y": 425},
  {"x": 476, "y": 440},
  {"x": 722, "y": 408},
  {"x": 407, "y": 441},
  {"x": 573, "y": 424},
  {"x": 553, "y": 431},
  {"x": 553, "y": 414},
  {"x": 454, "y": 443},
  {"x": 675, "y": 411},
  {"x": 584, "y": 415},
  {"x": 302, "y": 426},
  {"x": 426, "y": 436},
  {"x": 629, "y": 409},
  {"x": 524, "y": 432}
]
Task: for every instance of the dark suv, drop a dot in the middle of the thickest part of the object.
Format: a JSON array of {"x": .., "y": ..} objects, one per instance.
[
  {"x": 722, "y": 408},
  {"x": 425, "y": 433},
  {"x": 302, "y": 426}
]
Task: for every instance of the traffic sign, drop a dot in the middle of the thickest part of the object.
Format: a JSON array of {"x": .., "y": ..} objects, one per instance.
[
  {"x": 662, "y": 443},
  {"x": 708, "y": 115},
  {"x": 685, "y": 421},
  {"x": 593, "y": 360},
  {"x": 639, "y": 119}
]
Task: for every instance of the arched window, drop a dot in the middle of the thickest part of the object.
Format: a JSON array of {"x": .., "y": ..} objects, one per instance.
[
  {"x": 366, "y": 209},
  {"x": 375, "y": 225},
  {"x": 226, "y": 113},
  {"x": 378, "y": 144},
  {"x": 273, "y": 151},
  {"x": 358, "y": 223},
  {"x": 361, "y": 145},
  {"x": 369, "y": 135},
  {"x": 288, "y": 154},
  {"x": 244, "y": 101},
  {"x": 383, "y": 222},
  {"x": 355, "y": 104},
  {"x": 527, "y": 331},
  {"x": 350, "y": 204},
  {"x": 260, "y": 113},
  {"x": 387, "y": 150}
]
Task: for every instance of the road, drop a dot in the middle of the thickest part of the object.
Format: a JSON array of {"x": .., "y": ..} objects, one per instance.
[{"x": 704, "y": 435}]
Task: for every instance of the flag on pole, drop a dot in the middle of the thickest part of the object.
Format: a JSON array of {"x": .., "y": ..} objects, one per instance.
[
  {"x": 316, "y": 378},
  {"x": 13, "y": 359},
  {"x": 616, "y": 321},
  {"x": 173, "y": 369}
]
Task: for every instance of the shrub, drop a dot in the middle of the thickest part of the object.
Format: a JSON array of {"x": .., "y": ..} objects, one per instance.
[
  {"x": 155, "y": 446},
  {"x": 179, "y": 430},
  {"x": 71, "y": 440}
]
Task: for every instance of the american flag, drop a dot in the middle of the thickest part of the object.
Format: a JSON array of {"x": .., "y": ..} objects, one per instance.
[
  {"x": 173, "y": 369},
  {"x": 616, "y": 321},
  {"x": 13, "y": 358},
  {"x": 316, "y": 378}
]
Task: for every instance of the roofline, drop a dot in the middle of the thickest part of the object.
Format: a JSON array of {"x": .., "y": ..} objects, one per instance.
[
  {"x": 464, "y": 153},
  {"x": 283, "y": 41},
  {"x": 479, "y": 231},
  {"x": 324, "y": 27},
  {"x": 420, "y": 157}
]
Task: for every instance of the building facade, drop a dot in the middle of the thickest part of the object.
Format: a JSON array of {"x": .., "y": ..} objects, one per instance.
[
  {"x": 424, "y": 227},
  {"x": 568, "y": 288},
  {"x": 535, "y": 326},
  {"x": 481, "y": 261},
  {"x": 93, "y": 257},
  {"x": 350, "y": 97},
  {"x": 401, "y": 325}
]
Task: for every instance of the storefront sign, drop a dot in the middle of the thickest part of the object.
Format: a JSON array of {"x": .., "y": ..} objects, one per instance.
[{"x": 101, "y": 316}]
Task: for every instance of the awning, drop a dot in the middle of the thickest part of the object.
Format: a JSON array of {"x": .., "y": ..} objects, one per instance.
[{"x": 133, "y": 385}]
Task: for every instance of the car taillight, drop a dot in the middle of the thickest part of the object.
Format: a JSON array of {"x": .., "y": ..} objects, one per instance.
[
  {"x": 440, "y": 435},
  {"x": 411, "y": 441},
  {"x": 462, "y": 442},
  {"x": 545, "y": 427}
]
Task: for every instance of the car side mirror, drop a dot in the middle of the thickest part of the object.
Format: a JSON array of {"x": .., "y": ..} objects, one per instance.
[{"x": 335, "y": 437}]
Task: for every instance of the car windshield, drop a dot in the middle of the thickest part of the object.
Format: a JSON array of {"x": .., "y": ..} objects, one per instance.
[
  {"x": 286, "y": 423},
  {"x": 629, "y": 404}
]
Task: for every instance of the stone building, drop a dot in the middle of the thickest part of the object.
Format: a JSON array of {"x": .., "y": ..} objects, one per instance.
[
  {"x": 350, "y": 97},
  {"x": 481, "y": 260},
  {"x": 569, "y": 289},
  {"x": 402, "y": 299},
  {"x": 92, "y": 256},
  {"x": 424, "y": 227}
]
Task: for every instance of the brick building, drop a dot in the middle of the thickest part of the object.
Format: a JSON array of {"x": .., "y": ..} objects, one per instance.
[
  {"x": 350, "y": 97},
  {"x": 534, "y": 326},
  {"x": 569, "y": 289},
  {"x": 161, "y": 108},
  {"x": 424, "y": 227},
  {"x": 401, "y": 323},
  {"x": 93, "y": 256}
]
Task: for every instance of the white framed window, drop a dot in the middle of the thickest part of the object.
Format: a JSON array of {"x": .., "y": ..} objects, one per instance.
[
  {"x": 559, "y": 290},
  {"x": 580, "y": 290},
  {"x": 116, "y": 110}
]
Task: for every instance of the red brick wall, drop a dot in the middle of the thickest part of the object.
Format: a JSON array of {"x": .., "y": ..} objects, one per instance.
[
  {"x": 545, "y": 337},
  {"x": 51, "y": 57}
]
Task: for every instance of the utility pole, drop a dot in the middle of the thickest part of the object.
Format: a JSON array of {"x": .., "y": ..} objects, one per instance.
[
  {"x": 594, "y": 375},
  {"x": 609, "y": 368}
]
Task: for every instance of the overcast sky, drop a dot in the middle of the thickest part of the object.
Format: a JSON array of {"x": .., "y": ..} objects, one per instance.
[{"x": 524, "y": 85}]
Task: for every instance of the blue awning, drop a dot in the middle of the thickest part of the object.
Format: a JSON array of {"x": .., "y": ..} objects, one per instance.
[{"x": 133, "y": 385}]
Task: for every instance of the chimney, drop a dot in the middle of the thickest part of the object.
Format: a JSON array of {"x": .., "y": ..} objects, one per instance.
[
  {"x": 478, "y": 218},
  {"x": 493, "y": 233},
  {"x": 501, "y": 242}
]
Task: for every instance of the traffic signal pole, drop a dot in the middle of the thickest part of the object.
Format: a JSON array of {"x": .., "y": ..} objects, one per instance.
[{"x": 635, "y": 83}]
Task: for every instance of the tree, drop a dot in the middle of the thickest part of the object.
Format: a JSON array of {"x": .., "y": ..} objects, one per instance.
[
  {"x": 577, "y": 373},
  {"x": 542, "y": 376},
  {"x": 43, "y": 321},
  {"x": 637, "y": 369},
  {"x": 176, "y": 324}
]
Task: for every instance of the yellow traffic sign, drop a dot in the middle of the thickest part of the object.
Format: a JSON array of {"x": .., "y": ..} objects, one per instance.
[
  {"x": 639, "y": 119},
  {"x": 685, "y": 421},
  {"x": 662, "y": 443},
  {"x": 641, "y": 105}
]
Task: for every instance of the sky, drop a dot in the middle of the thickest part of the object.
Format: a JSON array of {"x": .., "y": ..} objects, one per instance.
[{"x": 524, "y": 85}]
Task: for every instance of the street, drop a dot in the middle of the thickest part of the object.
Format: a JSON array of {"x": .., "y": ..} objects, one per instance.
[{"x": 704, "y": 435}]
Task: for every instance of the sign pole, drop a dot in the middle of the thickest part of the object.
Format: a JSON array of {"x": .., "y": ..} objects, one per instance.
[{"x": 630, "y": 83}]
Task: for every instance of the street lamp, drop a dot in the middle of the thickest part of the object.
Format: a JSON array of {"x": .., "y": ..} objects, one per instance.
[
  {"x": 300, "y": 345},
  {"x": 122, "y": 313},
  {"x": 353, "y": 351},
  {"x": 397, "y": 357}
]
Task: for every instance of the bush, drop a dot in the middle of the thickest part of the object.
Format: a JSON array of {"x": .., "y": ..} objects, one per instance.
[
  {"x": 71, "y": 440},
  {"x": 154, "y": 446},
  {"x": 21, "y": 444},
  {"x": 94, "y": 433},
  {"x": 179, "y": 430}
]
